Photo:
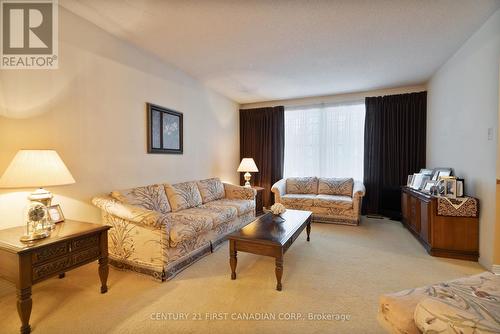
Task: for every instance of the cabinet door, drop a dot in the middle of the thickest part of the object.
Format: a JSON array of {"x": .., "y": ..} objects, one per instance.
[
  {"x": 404, "y": 207},
  {"x": 425, "y": 218},
  {"x": 415, "y": 214}
]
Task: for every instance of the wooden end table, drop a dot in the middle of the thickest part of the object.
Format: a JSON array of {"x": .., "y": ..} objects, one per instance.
[
  {"x": 269, "y": 236},
  {"x": 259, "y": 200},
  {"x": 70, "y": 245}
]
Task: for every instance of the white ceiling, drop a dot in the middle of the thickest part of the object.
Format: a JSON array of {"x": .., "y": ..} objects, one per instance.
[{"x": 258, "y": 50}]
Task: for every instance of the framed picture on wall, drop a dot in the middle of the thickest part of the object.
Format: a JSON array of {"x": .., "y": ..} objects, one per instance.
[{"x": 165, "y": 130}]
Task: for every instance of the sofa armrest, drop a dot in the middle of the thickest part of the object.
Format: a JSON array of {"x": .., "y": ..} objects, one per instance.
[
  {"x": 279, "y": 189},
  {"x": 131, "y": 213},
  {"x": 239, "y": 192},
  {"x": 358, "y": 190}
]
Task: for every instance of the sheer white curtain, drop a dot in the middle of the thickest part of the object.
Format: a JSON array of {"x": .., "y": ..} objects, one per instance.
[{"x": 325, "y": 140}]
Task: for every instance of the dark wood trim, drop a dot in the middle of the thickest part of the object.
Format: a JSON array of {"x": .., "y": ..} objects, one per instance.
[{"x": 153, "y": 107}]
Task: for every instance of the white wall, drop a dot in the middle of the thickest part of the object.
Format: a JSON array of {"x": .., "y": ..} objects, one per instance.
[
  {"x": 92, "y": 111},
  {"x": 462, "y": 105}
]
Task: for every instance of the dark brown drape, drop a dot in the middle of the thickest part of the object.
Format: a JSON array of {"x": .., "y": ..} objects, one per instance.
[
  {"x": 395, "y": 139},
  {"x": 262, "y": 137}
]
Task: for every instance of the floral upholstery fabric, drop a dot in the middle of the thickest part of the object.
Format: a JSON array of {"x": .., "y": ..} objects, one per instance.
[
  {"x": 218, "y": 214},
  {"x": 302, "y": 185},
  {"x": 335, "y": 186},
  {"x": 151, "y": 197},
  {"x": 469, "y": 305},
  {"x": 138, "y": 215},
  {"x": 325, "y": 208},
  {"x": 466, "y": 305},
  {"x": 186, "y": 226},
  {"x": 211, "y": 189},
  {"x": 333, "y": 201},
  {"x": 183, "y": 195},
  {"x": 358, "y": 190},
  {"x": 238, "y": 192},
  {"x": 243, "y": 206},
  {"x": 395, "y": 310},
  {"x": 302, "y": 200},
  {"x": 161, "y": 245}
]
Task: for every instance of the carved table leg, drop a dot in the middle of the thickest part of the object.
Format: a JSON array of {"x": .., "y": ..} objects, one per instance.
[
  {"x": 24, "y": 304},
  {"x": 62, "y": 275},
  {"x": 232, "y": 258},
  {"x": 279, "y": 271},
  {"x": 308, "y": 230},
  {"x": 103, "y": 273}
]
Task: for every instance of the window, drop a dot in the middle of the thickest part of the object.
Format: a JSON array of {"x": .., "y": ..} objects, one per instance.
[{"x": 325, "y": 141}]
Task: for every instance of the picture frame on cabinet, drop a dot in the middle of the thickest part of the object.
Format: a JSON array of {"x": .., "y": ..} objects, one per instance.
[
  {"x": 428, "y": 186},
  {"x": 409, "y": 181},
  {"x": 450, "y": 186},
  {"x": 441, "y": 171},
  {"x": 460, "y": 187}
]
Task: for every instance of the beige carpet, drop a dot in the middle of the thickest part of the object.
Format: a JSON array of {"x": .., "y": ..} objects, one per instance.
[{"x": 341, "y": 271}]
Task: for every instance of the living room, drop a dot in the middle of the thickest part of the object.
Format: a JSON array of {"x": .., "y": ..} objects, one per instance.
[{"x": 333, "y": 111}]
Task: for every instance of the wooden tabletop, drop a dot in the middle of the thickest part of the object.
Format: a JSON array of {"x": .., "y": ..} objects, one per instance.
[
  {"x": 9, "y": 238},
  {"x": 269, "y": 229}
]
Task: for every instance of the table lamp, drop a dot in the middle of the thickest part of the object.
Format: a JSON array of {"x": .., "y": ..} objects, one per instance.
[
  {"x": 36, "y": 168},
  {"x": 247, "y": 165}
]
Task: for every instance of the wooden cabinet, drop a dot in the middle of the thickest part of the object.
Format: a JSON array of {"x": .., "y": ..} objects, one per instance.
[{"x": 443, "y": 236}]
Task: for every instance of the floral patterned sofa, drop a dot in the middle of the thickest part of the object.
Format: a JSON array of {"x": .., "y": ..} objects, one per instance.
[
  {"x": 467, "y": 305},
  {"x": 332, "y": 200},
  {"x": 160, "y": 229}
]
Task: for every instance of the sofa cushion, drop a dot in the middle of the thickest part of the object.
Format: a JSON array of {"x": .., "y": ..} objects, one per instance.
[
  {"x": 242, "y": 205},
  {"x": 211, "y": 189},
  {"x": 471, "y": 298},
  {"x": 435, "y": 316},
  {"x": 335, "y": 186},
  {"x": 302, "y": 185},
  {"x": 396, "y": 310},
  {"x": 219, "y": 214},
  {"x": 150, "y": 197},
  {"x": 183, "y": 195},
  {"x": 304, "y": 200},
  {"x": 185, "y": 226},
  {"x": 467, "y": 305},
  {"x": 333, "y": 201}
]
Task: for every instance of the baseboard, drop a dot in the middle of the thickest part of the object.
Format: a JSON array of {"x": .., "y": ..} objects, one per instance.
[
  {"x": 373, "y": 216},
  {"x": 495, "y": 268}
]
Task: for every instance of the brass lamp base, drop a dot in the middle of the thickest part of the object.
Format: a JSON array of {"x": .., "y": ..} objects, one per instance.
[
  {"x": 35, "y": 236},
  {"x": 41, "y": 195},
  {"x": 247, "y": 177}
]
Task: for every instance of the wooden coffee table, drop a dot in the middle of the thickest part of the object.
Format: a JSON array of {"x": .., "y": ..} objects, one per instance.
[{"x": 269, "y": 236}]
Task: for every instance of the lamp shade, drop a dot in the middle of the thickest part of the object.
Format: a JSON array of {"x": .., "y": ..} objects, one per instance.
[
  {"x": 247, "y": 165},
  {"x": 36, "y": 168}
]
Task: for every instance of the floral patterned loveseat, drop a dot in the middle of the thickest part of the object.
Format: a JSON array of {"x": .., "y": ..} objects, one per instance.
[
  {"x": 468, "y": 305},
  {"x": 161, "y": 229},
  {"x": 332, "y": 200}
]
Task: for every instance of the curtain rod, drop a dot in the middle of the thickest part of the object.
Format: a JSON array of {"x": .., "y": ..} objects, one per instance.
[{"x": 325, "y": 104}]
